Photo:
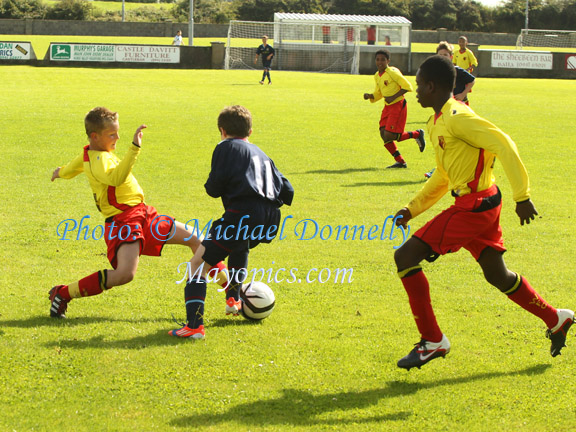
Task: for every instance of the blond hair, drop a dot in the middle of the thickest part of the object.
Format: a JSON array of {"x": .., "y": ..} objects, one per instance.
[{"x": 445, "y": 45}]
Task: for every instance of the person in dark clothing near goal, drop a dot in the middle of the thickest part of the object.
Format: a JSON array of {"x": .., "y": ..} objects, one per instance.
[{"x": 267, "y": 52}]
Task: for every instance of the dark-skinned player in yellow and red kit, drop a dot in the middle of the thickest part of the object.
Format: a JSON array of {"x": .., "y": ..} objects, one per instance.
[
  {"x": 391, "y": 86},
  {"x": 466, "y": 147}
]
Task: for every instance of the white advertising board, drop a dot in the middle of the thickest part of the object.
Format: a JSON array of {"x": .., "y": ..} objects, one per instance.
[
  {"x": 15, "y": 50},
  {"x": 115, "y": 53},
  {"x": 522, "y": 60}
]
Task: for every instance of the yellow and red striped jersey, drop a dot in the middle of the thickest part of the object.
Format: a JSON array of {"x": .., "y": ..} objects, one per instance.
[
  {"x": 464, "y": 59},
  {"x": 466, "y": 146},
  {"x": 114, "y": 186},
  {"x": 389, "y": 83}
]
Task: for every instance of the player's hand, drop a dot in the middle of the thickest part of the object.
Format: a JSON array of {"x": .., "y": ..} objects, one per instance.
[
  {"x": 56, "y": 174},
  {"x": 368, "y": 96},
  {"x": 406, "y": 216},
  {"x": 459, "y": 97},
  {"x": 269, "y": 57},
  {"x": 390, "y": 99},
  {"x": 526, "y": 211},
  {"x": 256, "y": 60},
  {"x": 138, "y": 135}
]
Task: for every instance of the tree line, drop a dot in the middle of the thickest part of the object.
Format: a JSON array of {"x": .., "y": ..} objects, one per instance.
[{"x": 461, "y": 15}]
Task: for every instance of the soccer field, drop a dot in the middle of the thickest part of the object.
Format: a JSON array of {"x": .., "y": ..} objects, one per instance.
[{"x": 326, "y": 357}]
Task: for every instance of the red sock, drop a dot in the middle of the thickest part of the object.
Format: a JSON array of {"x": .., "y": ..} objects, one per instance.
[
  {"x": 407, "y": 135},
  {"x": 418, "y": 290},
  {"x": 64, "y": 293},
  {"x": 528, "y": 299},
  {"x": 393, "y": 150},
  {"x": 88, "y": 286}
]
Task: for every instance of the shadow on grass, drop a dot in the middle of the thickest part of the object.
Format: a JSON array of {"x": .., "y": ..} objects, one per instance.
[
  {"x": 342, "y": 171},
  {"x": 159, "y": 338},
  {"x": 46, "y": 321},
  {"x": 235, "y": 321},
  {"x": 394, "y": 183},
  {"x": 301, "y": 408}
]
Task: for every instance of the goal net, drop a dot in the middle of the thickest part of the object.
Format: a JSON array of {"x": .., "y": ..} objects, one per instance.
[
  {"x": 298, "y": 47},
  {"x": 546, "y": 38}
]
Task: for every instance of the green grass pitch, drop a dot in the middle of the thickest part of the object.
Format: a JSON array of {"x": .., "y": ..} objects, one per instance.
[{"x": 326, "y": 358}]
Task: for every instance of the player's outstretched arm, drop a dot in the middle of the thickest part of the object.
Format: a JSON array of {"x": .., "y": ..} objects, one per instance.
[
  {"x": 406, "y": 216},
  {"x": 526, "y": 211},
  {"x": 56, "y": 174},
  {"x": 138, "y": 135}
]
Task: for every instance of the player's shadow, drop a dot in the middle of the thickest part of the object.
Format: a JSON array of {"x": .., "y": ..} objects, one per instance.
[
  {"x": 46, "y": 321},
  {"x": 159, "y": 338},
  {"x": 342, "y": 171},
  {"x": 235, "y": 321},
  {"x": 301, "y": 408},
  {"x": 383, "y": 183}
]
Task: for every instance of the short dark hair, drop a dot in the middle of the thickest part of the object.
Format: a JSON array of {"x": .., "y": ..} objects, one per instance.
[
  {"x": 440, "y": 71},
  {"x": 383, "y": 52},
  {"x": 236, "y": 120}
]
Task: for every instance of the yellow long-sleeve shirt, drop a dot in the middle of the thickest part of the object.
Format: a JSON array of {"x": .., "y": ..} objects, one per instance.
[
  {"x": 389, "y": 83},
  {"x": 465, "y": 59},
  {"x": 114, "y": 186},
  {"x": 466, "y": 146}
]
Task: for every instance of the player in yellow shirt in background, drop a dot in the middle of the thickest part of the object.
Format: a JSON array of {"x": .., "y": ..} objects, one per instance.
[
  {"x": 464, "y": 57},
  {"x": 466, "y": 147},
  {"x": 391, "y": 86},
  {"x": 132, "y": 228}
]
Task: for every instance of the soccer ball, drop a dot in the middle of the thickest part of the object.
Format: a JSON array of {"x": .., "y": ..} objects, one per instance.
[{"x": 257, "y": 300}]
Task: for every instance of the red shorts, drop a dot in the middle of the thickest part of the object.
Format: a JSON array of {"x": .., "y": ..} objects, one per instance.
[
  {"x": 393, "y": 118},
  {"x": 141, "y": 223},
  {"x": 473, "y": 222}
]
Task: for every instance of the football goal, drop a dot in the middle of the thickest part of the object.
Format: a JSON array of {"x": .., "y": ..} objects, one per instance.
[
  {"x": 298, "y": 46},
  {"x": 546, "y": 39}
]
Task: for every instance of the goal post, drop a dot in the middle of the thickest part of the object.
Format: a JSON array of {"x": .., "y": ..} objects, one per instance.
[
  {"x": 546, "y": 38},
  {"x": 299, "y": 46}
]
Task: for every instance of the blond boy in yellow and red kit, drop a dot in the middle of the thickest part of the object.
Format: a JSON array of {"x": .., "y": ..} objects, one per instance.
[{"x": 132, "y": 228}]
